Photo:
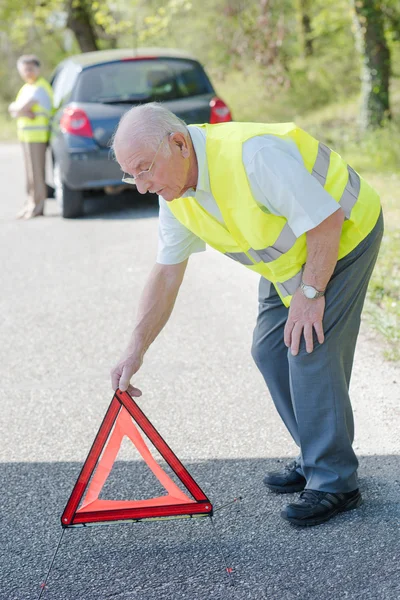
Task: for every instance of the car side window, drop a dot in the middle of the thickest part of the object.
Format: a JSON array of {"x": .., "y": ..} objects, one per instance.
[{"x": 63, "y": 84}]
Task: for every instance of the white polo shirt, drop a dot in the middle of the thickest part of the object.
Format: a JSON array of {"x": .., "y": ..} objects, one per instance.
[{"x": 280, "y": 184}]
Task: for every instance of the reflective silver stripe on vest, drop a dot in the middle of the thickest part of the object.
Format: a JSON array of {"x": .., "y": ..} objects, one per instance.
[
  {"x": 321, "y": 165},
  {"x": 351, "y": 192},
  {"x": 285, "y": 241},
  {"x": 32, "y": 127},
  {"x": 283, "y": 244},
  {"x": 352, "y": 189},
  {"x": 240, "y": 257},
  {"x": 288, "y": 287}
]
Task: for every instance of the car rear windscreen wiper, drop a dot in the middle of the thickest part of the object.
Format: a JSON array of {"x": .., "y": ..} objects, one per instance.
[{"x": 130, "y": 100}]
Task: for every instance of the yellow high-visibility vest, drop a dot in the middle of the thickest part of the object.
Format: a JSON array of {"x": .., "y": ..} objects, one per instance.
[
  {"x": 38, "y": 128},
  {"x": 263, "y": 242}
]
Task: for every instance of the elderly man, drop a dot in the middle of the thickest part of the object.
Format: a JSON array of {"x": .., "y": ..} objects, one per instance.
[
  {"x": 32, "y": 109},
  {"x": 287, "y": 207}
]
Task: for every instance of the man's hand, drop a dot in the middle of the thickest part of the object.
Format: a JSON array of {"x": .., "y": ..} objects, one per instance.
[
  {"x": 121, "y": 374},
  {"x": 304, "y": 316}
]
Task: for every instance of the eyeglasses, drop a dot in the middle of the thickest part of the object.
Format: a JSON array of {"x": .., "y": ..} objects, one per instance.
[{"x": 143, "y": 174}]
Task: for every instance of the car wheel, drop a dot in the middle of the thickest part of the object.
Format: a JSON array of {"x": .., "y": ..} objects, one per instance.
[{"x": 69, "y": 202}]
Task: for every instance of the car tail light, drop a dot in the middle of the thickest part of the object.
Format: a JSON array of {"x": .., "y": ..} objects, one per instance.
[
  {"x": 76, "y": 121},
  {"x": 220, "y": 113}
]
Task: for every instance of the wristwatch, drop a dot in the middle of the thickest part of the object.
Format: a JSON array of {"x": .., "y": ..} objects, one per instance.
[{"x": 310, "y": 292}]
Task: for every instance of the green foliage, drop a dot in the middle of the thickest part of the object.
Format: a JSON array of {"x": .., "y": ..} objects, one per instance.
[
  {"x": 377, "y": 151},
  {"x": 383, "y": 301},
  {"x": 159, "y": 24},
  {"x": 26, "y": 17},
  {"x": 263, "y": 36}
]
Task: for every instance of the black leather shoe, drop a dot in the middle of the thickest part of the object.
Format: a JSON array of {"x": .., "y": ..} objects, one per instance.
[
  {"x": 286, "y": 481},
  {"x": 315, "y": 507}
]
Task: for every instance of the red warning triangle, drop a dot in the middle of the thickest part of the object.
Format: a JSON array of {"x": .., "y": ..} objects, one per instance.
[{"x": 116, "y": 424}]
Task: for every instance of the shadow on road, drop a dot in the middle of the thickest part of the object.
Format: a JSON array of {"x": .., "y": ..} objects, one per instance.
[
  {"x": 127, "y": 205},
  {"x": 353, "y": 556}
]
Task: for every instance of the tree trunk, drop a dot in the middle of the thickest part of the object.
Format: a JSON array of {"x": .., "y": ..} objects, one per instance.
[
  {"x": 79, "y": 21},
  {"x": 303, "y": 7},
  {"x": 376, "y": 63}
]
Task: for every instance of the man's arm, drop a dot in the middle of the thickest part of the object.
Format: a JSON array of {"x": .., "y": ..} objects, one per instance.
[
  {"x": 322, "y": 254},
  {"x": 322, "y": 250},
  {"x": 155, "y": 307}
]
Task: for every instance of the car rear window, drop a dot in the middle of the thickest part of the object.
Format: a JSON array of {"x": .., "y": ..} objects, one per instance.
[{"x": 142, "y": 81}]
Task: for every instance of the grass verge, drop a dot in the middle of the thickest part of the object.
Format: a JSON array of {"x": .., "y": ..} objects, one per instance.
[
  {"x": 8, "y": 126},
  {"x": 382, "y": 309}
]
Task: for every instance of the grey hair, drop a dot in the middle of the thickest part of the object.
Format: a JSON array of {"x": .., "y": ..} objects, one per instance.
[
  {"x": 28, "y": 59},
  {"x": 150, "y": 123}
]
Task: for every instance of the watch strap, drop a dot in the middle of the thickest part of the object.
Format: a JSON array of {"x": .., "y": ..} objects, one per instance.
[{"x": 318, "y": 293}]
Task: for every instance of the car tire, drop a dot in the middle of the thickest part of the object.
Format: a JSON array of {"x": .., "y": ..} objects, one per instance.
[{"x": 69, "y": 202}]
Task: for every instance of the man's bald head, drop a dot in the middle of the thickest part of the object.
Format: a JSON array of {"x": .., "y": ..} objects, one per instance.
[{"x": 144, "y": 127}]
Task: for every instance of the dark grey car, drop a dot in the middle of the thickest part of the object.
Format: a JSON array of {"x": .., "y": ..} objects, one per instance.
[{"x": 91, "y": 93}]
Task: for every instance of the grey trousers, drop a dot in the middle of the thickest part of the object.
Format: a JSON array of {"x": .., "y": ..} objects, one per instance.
[{"x": 311, "y": 391}]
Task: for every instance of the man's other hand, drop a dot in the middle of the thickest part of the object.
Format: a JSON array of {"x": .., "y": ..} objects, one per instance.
[{"x": 304, "y": 316}]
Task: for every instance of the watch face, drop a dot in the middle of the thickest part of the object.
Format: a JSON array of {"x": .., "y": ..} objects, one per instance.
[{"x": 309, "y": 291}]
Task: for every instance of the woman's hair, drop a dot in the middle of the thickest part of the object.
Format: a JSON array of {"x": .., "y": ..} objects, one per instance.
[{"x": 28, "y": 59}]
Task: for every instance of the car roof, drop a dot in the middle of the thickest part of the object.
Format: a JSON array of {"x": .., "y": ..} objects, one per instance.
[{"x": 104, "y": 56}]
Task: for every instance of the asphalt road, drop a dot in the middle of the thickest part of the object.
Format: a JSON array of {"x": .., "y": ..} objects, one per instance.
[{"x": 69, "y": 291}]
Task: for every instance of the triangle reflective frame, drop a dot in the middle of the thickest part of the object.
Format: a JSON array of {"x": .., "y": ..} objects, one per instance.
[{"x": 116, "y": 424}]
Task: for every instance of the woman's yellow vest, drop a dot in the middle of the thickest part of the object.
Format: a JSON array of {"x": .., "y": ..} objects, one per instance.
[
  {"x": 261, "y": 241},
  {"x": 38, "y": 128}
]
